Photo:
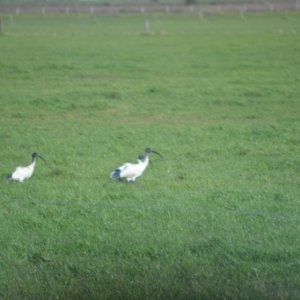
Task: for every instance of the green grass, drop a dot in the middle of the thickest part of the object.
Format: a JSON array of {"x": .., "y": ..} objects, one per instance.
[{"x": 218, "y": 218}]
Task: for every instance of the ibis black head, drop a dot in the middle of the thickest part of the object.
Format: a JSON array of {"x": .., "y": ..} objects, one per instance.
[
  {"x": 148, "y": 150},
  {"x": 35, "y": 155},
  {"x": 141, "y": 157}
]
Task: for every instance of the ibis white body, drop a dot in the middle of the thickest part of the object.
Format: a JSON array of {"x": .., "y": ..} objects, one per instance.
[
  {"x": 131, "y": 171},
  {"x": 22, "y": 173}
]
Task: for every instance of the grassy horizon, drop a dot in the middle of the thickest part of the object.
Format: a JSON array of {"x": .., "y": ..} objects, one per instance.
[{"x": 218, "y": 218}]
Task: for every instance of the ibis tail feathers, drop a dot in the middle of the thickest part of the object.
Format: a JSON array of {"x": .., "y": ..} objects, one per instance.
[
  {"x": 7, "y": 177},
  {"x": 115, "y": 174}
]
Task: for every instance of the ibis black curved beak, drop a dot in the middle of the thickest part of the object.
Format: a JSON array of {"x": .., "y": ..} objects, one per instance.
[
  {"x": 156, "y": 153},
  {"x": 41, "y": 158}
]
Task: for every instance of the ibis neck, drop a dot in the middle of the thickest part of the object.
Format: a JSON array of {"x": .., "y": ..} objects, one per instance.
[{"x": 146, "y": 161}]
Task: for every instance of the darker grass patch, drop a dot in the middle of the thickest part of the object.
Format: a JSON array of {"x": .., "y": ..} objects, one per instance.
[
  {"x": 206, "y": 245},
  {"x": 266, "y": 255},
  {"x": 97, "y": 77},
  {"x": 58, "y": 103},
  {"x": 112, "y": 96},
  {"x": 18, "y": 116},
  {"x": 56, "y": 172},
  {"x": 220, "y": 102},
  {"x": 54, "y": 67},
  {"x": 94, "y": 106},
  {"x": 253, "y": 94}
]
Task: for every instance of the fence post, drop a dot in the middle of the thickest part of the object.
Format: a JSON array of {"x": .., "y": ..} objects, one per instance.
[
  {"x": 242, "y": 10},
  {"x": 271, "y": 7},
  {"x": 146, "y": 25},
  {"x": 241, "y": 14},
  {"x": 201, "y": 16}
]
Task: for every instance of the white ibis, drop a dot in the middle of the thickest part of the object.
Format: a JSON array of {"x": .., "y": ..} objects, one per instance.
[
  {"x": 132, "y": 171},
  {"x": 22, "y": 173}
]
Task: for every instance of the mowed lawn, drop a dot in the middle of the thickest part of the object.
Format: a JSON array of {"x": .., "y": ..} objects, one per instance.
[{"x": 217, "y": 218}]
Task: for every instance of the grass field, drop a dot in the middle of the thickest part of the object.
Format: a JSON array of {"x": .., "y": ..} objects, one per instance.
[{"x": 218, "y": 218}]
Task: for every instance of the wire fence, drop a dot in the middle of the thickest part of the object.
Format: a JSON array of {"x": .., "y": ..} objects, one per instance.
[{"x": 116, "y": 9}]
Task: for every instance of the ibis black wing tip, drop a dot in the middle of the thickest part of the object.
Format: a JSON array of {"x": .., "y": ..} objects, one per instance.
[
  {"x": 115, "y": 174},
  {"x": 7, "y": 177}
]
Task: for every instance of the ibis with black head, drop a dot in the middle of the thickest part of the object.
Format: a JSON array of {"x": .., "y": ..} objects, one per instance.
[
  {"x": 22, "y": 173},
  {"x": 131, "y": 171}
]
